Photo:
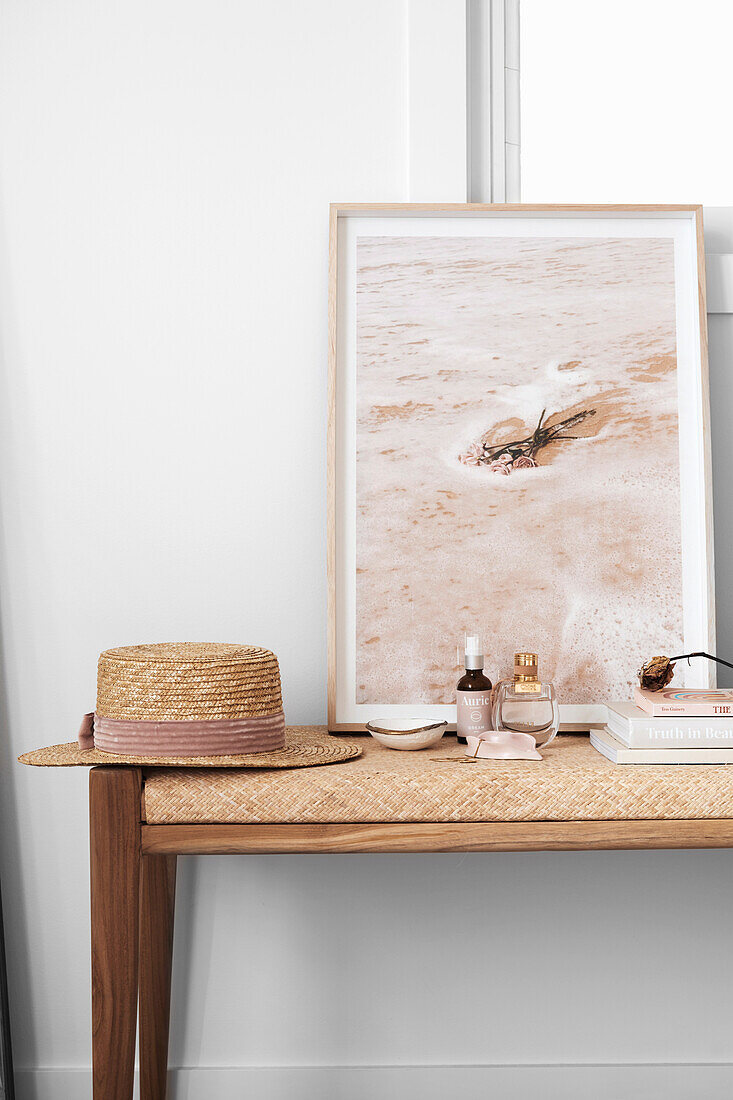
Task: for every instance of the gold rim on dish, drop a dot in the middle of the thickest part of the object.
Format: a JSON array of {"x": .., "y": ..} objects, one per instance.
[{"x": 405, "y": 733}]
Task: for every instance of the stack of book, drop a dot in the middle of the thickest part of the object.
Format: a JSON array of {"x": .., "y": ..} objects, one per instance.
[{"x": 680, "y": 726}]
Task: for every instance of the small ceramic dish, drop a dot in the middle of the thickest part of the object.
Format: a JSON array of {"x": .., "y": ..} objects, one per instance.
[
  {"x": 407, "y": 733},
  {"x": 502, "y": 745}
]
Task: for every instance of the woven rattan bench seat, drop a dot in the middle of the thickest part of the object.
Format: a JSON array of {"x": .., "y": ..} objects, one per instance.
[{"x": 572, "y": 783}]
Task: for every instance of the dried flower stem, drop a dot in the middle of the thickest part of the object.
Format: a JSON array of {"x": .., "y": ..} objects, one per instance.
[
  {"x": 541, "y": 437},
  {"x": 657, "y": 673},
  {"x": 699, "y": 653}
]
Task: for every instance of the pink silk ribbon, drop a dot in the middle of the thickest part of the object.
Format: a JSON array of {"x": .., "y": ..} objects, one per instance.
[{"x": 228, "y": 737}]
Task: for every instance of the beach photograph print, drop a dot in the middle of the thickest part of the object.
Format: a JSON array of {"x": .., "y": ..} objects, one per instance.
[{"x": 517, "y": 461}]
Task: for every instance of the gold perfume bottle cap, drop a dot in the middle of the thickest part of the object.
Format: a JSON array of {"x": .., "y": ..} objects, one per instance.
[{"x": 525, "y": 667}]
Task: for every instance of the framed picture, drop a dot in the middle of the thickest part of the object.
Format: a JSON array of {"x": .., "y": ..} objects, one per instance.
[{"x": 518, "y": 444}]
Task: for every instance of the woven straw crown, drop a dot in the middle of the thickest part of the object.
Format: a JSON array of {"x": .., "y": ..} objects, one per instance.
[{"x": 187, "y": 681}]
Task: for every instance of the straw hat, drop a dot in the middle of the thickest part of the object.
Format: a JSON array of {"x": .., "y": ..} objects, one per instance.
[
  {"x": 186, "y": 699},
  {"x": 305, "y": 747}
]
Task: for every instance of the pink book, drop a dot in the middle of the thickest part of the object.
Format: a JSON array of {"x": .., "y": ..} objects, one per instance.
[{"x": 686, "y": 702}]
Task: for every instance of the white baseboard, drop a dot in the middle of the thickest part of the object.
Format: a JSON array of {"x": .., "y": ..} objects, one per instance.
[{"x": 602, "y": 1082}]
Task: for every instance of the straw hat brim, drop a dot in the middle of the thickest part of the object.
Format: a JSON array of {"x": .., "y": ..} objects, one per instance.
[{"x": 304, "y": 748}]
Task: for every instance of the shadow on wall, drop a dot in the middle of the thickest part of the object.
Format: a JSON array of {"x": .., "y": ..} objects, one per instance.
[
  {"x": 16, "y": 946},
  {"x": 363, "y": 960},
  {"x": 720, "y": 335}
]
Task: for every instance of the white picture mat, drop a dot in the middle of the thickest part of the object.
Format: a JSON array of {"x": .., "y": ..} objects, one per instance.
[{"x": 680, "y": 226}]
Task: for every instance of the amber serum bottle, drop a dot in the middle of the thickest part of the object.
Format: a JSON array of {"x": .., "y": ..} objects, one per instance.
[{"x": 473, "y": 692}]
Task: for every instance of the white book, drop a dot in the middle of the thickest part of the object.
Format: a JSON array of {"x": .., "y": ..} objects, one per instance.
[
  {"x": 604, "y": 742},
  {"x": 639, "y": 730}
]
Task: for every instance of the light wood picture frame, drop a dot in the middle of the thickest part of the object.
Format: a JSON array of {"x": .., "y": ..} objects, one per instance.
[{"x": 454, "y": 330}]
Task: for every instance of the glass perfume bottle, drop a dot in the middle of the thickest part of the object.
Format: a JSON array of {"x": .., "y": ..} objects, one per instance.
[{"x": 525, "y": 704}]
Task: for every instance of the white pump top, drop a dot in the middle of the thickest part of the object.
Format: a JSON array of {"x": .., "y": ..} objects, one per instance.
[{"x": 473, "y": 651}]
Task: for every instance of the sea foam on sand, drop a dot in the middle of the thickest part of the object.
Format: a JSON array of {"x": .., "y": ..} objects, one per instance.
[{"x": 579, "y": 559}]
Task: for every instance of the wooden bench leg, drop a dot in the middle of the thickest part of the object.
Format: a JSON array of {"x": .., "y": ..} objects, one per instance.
[
  {"x": 157, "y": 906},
  {"x": 114, "y": 835}
]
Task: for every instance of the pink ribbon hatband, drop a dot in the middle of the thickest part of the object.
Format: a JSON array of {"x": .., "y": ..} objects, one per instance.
[{"x": 208, "y": 738}]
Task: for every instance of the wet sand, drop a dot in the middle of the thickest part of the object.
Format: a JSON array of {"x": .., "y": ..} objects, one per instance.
[{"x": 578, "y": 559}]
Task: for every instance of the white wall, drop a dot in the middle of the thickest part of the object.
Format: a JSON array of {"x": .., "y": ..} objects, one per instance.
[
  {"x": 165, "y": 170},
  {"x": 626, "y": 102}
]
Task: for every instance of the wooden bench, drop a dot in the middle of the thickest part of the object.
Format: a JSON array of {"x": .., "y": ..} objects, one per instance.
[{"x": 141, "y": 819}]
